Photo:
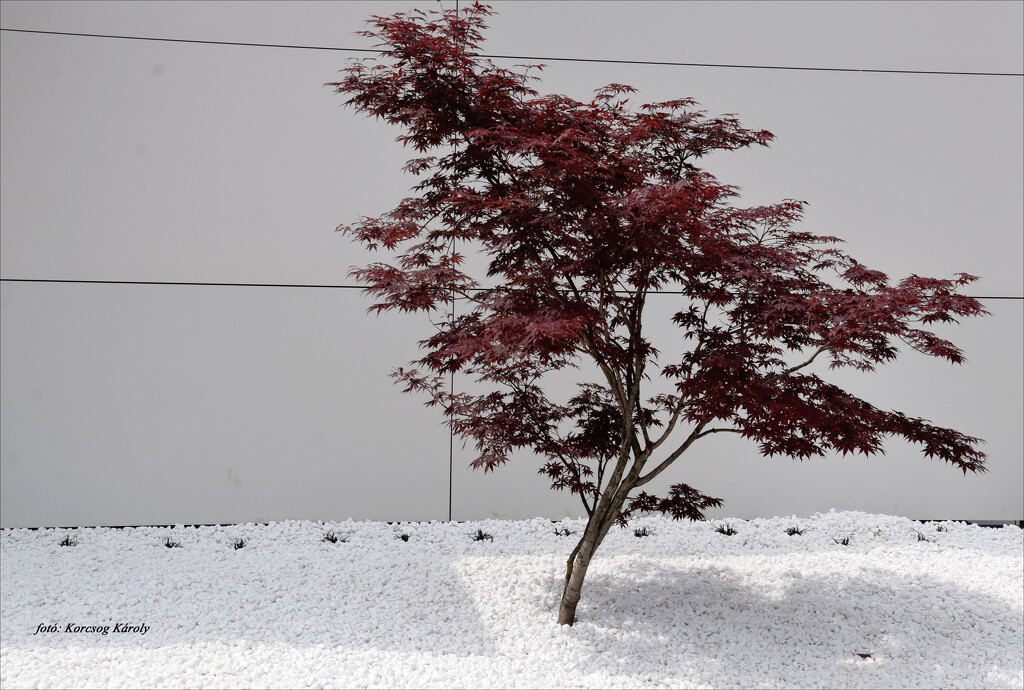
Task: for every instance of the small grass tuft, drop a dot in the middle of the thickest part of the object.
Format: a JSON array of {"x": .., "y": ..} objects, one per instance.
[
  {"x": 941, "y": 528},
  {"x": 171, "y": 544},
  {"x": 68, "y": 540},
  {"x": 725, "y": 529},
  {"x": 564, "y": 532},
  {"x": 845, "y": 541},
  {"x": 921, "y": 537},
  {"x": 794, "y": 531},
  {"x": 238, "y": 544},
  {"x": 642, "y": 532},
  {"x": 403, "y": 536},
  {"x": 482, "y": 536},
  {"x": 334, "y": 537}
]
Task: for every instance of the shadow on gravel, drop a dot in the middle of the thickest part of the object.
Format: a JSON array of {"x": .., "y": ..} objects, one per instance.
[{"x": 872, "y": 628}]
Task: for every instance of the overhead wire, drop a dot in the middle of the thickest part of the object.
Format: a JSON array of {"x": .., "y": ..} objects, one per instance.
[
  {"x": 317, "y": 286},
  {"x": 538, "y": 58}
]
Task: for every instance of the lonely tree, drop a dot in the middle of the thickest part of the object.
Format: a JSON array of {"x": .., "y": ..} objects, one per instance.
[{"x": 581, "y": 210}]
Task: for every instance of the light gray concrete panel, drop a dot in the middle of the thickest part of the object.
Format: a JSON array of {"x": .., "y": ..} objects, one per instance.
[
  {"x": 891, "y": 164},
  {"x": 187, "y": 163},
  {"x": 128, "y": 404},
  {"x": 961, "y": 36},
  {"x": 138, "y": 161},
  {"x": 131, "y": 160},
  {"x": 983, "y": 398}
]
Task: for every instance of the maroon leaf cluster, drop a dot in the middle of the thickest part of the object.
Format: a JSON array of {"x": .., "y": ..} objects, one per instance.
[{"x": 582, "y": 210}]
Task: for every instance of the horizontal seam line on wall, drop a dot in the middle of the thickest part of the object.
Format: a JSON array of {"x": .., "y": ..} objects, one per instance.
[
  {"x": 529, "y": 57},
  {"x": 305, "y": 285},
  {"x": 995, "y": 524}
]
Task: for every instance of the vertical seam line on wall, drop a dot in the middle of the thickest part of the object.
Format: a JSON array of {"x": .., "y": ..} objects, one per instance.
[
  {"x": 452, "y": 381},
  {"x": 451, "y": 433}
]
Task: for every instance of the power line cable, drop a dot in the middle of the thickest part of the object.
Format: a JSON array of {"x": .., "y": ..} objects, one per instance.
[
  {"x": 662, "y": 63},
  {"x": 318, "y": 286}
]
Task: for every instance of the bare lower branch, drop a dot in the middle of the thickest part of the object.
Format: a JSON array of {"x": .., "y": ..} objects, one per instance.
[{"x": 718, "y": 431}]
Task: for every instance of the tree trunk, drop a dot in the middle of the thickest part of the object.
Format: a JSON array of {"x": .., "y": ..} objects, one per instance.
[
  {"x": 575, "y": 572},
  {"x": 601, "y": 520},
  {"x": 579, "y": 561}
]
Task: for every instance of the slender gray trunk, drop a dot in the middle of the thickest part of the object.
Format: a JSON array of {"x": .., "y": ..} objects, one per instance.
[
  {"x": 606, "y": 510},
  {"x": 575, "y": 572},
  {"x": 579, "y": 561}
]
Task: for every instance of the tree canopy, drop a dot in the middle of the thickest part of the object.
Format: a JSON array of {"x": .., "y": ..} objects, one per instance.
[{"x": 584, "y": 209}]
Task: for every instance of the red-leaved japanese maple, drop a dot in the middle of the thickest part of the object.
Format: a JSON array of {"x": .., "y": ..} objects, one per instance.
[{"x": 582, "y": 210}]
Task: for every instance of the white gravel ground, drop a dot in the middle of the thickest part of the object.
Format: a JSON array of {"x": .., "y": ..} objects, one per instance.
[{"x": 683, "y": 607}]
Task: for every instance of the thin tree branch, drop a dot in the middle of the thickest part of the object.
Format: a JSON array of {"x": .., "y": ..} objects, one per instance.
[{"x": 694, "y": 435}]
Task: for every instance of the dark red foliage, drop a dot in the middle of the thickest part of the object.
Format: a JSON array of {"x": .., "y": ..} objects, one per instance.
[{"x": 582, "y": 209}]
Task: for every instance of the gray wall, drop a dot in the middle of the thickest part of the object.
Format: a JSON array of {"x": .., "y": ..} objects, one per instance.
[{"x": 158, "y": 197}]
